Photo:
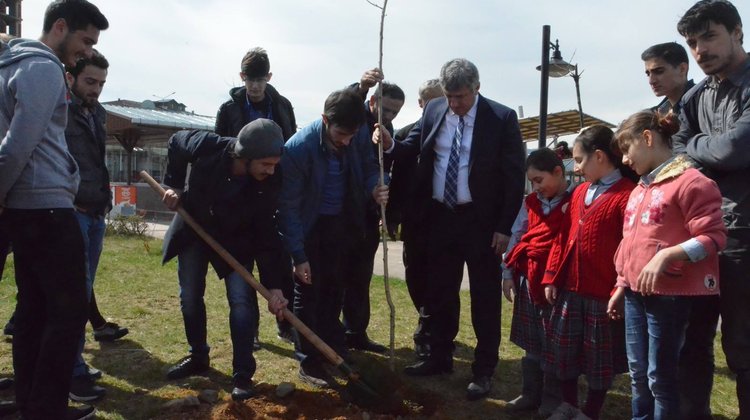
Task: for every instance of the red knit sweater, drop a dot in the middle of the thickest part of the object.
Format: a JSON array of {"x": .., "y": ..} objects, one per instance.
[
  {"x": 582, "y": 258},
  {"x": 529, "y": 256}
]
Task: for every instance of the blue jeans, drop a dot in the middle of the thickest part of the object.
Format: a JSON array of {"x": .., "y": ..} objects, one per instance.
[
  {"x": 654, "y": 332},
  {"x": 92, "y": 228},
  {"x": 192, "y": 266}
]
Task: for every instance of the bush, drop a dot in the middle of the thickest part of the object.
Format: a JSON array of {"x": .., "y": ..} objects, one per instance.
[{"x": 127, "y": 226}]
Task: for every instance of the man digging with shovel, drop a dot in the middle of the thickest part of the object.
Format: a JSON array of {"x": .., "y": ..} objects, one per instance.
[{"x": 232, "y": 193}]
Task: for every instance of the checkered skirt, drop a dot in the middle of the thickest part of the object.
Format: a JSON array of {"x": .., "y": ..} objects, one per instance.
[
  {"x": 528, "y": 323},
  {"x": 584, "y": 340}
]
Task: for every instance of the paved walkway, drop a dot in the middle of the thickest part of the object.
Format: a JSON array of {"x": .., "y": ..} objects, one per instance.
[{"x": 395, "y": 250}]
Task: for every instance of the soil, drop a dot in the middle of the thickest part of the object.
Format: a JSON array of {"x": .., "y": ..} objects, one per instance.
[{"x": 305, "y": 404}]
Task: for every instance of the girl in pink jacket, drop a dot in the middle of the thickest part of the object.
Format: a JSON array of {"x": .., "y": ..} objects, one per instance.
[{"x": 672, "y": 233}]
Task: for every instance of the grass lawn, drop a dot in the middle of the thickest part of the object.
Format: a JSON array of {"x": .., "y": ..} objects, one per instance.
[{"x": 135, "y": 290}]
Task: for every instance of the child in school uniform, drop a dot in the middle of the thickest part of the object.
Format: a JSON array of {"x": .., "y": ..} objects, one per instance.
[
  {"x": 532, "y": 234},
  {"x": 672, "y": 233},
  {"x": 580, "y": 277}
]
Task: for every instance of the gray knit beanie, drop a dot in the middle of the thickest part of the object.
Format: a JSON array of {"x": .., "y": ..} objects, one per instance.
[{"x": 259, "y": 139}]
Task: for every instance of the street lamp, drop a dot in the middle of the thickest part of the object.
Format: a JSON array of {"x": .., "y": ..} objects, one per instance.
[{"x": 554, "y": 66}]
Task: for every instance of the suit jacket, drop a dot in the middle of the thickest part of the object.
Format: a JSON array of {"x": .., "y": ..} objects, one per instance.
[{"x": 496, "y": 162}]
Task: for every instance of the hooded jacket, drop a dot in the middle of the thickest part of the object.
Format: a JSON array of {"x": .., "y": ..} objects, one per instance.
[
  {"x": 681, "y": 203},
  {"x": 232, "y": 115},
  {"x": 36, "y": 169}
]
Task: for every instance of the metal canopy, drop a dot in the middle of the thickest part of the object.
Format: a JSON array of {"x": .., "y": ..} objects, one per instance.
[
  {"x": 151, "y": 125},
  {"x": 558, "y": 124}
]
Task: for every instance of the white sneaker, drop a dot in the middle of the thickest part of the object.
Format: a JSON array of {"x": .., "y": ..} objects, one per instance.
[{"x": 566, "y": 411}]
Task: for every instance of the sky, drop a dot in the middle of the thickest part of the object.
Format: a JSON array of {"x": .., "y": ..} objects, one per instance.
[{"x": 190, "y": 50}]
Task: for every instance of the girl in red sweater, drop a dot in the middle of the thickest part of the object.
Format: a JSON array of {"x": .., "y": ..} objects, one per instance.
[
  {"x": 580, "y": 277},
  {"x": 535, "y": 228},
  {"x": 672, "y": 233}
]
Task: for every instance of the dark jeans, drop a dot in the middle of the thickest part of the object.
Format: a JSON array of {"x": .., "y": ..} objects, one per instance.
[
  {"x": 52, "y": 307},
  {"x": 654, "y": 332},
  {"x": 415, "y": 265},
  {"x": 192, "y": 266},
  {"x": 319, "y": 304},
  {"x": 458, "y": 237},
  {"x": 734, "y": 266},
  {"x": 92, "y": 230},
  {"x": 356, "y": 309},
  {"x": 696, "y": 374}
]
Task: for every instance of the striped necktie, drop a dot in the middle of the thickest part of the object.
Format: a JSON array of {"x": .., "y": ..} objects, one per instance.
[{"x": 450, "y": 195}]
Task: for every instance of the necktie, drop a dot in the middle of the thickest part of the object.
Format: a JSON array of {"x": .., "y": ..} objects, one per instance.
[{"x": 450, "y": 195}]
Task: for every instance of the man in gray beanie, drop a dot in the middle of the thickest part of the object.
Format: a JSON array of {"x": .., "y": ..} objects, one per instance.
[{"x": 232, "y": 193}]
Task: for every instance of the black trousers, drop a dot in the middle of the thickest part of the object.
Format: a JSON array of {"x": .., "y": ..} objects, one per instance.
[
  {"x": 356, "y": 308},
  {"x": 458, "y": 237},
  {"x": 319, "y": 304},
  {"x": 415, "y": 265},
  {"x": 734, "y": 266},
  {"x": 52, "y": 307}
]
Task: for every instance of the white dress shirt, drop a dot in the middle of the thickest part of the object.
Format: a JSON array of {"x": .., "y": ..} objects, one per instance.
[{"x": 443, "y": 144}]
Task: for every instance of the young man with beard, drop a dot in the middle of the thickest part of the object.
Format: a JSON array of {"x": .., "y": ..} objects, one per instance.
[
  {"x": 38, "y": 183},
  {"x": 329, "y": 177},
  {"x": 232, "y": 193},
  {"x": 715, "y": 132}
]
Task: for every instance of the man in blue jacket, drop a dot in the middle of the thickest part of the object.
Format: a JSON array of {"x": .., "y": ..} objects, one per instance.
[
  {"x": 232, "y": 193},
  {"x": 329, "y": 175}
]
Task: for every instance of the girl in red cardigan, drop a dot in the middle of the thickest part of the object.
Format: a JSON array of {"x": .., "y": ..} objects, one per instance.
[
  {"x": 672, "y": 233},
  {"x": 580, "y": 277},
  {"x": 535, "y": 228}
]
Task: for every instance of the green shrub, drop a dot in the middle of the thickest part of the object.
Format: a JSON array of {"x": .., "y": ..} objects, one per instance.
[{"x": 133, "y": 225}]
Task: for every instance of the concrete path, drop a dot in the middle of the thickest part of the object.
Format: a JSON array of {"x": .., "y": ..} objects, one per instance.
[{"x": 395, "y": 250}]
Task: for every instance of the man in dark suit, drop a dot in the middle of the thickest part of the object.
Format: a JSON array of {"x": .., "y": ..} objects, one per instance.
[{"x": 468, "y": 190}]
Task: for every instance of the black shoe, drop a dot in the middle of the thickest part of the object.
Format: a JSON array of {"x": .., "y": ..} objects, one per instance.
[
  {"x": 256, "y": 343},
  {"x": 83, "y": 389},
  {"x": 110, "y": 332},
  {"x": 363, "y": 342},
  {"x": 315, "y": 375},
  {"x": 242, "y": 390},
  {"x": 6, "y": 383},
  {"x": 7, "y": 408},
  {"x": 429, "y": 367},
  {"x": 188, "y": 366},
  {"x": 84, "y": 412},
  {"x": 478, "y": 388},
  {"x": 422, "y": 351},
  {"x": 10, "y": 328}
]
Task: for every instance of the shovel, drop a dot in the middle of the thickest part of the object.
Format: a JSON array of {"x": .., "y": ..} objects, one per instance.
[{"x": 362, "y": 392}]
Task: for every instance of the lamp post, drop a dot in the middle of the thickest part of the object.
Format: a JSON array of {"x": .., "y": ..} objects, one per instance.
[{"x": 554, "y": 66}]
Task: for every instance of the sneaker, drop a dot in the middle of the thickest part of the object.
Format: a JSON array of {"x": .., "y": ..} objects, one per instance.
[
  {"x": 84, "y": 412},
  {"x": 315, "y": 374},
  {"x": 242, "y": 390},
  {"x": 109, "y": 332},
  {"x": 188, "y": 366},
  {"x": 564, "y": 411},
  {"x": 83, "y": 389},
  {"x": 286, "y": 335},
  {"x": 93, "y": 372}
]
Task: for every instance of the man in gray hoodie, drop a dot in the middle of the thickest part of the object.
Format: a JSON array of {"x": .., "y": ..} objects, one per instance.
[{"x": 38, "y": 182}]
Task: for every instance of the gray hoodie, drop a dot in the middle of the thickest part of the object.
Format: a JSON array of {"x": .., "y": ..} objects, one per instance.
[{"x": 36, "y": 169}]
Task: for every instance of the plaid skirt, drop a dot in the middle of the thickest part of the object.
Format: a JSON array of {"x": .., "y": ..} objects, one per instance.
[
  {"x": 528, "y": 324},
  {"x": 584, "y": 340}
]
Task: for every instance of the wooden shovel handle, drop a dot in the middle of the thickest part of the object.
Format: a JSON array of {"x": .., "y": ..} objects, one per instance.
[{"x": 300, "y": 326}]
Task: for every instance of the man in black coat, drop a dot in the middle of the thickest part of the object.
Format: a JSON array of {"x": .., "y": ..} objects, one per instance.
[
  {"x": 257, "y": 99},
  {"x": 468, "y": 189},
  {"x": 232, "y": 193}
]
